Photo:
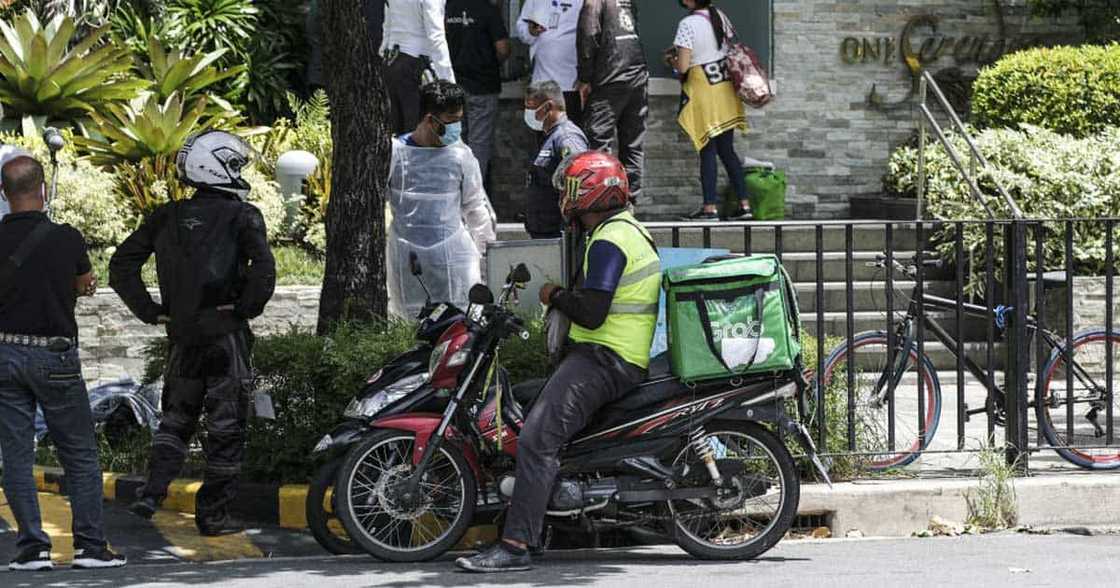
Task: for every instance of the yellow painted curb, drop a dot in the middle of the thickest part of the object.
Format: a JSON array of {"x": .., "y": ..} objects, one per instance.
[
  {"x": 293, "y": 511},
  {"x": 180, "y": 496}
]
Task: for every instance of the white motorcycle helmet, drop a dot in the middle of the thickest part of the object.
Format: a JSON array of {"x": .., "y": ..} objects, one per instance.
[{"x": 213, "y": 160}]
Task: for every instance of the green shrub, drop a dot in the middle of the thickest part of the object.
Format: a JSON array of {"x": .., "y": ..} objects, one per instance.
[
  {"x": 87, "y": 199},
  {"x": 311, "y": 132},
  {"x": 1050, "y": 176},
  {"x": 313, "y": 378},
  {"x": 1070, "y": 90}
]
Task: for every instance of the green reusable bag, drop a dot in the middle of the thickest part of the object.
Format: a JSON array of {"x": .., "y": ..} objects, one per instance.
[
  {"x": 730, "y": 318},
  {"x": 767, "y": 190}
]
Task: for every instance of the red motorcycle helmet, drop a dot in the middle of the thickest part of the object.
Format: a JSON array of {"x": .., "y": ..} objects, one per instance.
[{"x": 591, "y": 182}]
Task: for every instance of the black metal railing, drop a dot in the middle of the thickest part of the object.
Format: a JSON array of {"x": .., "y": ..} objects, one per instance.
[{"x": 991, "y": 306}]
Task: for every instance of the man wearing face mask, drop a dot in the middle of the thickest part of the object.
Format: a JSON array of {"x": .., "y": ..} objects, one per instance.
[
  {"x": 545, "y": 112},
  {"x": 440, "y": 210}
]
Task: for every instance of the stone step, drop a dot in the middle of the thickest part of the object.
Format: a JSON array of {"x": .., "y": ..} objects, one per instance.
[
  {"x": 796, "y": 236},
  {"x": 943, "y": 360},
  {"x": 868, "y": 295}
]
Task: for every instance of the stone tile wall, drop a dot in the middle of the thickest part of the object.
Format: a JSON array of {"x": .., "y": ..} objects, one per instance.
[
  {"x": 112, "y": 341},
  {"x": 820, "y": 129}
]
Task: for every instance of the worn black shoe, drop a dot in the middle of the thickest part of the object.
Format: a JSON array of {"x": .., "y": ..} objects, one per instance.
[
  {"x": 498, "y": 558},
  {"x": 93, "y": 559},
  {"x": 145, "y": 507},
  {"x": 743, "y": 214},
  {"x": 34, "y": 559},
  {"x": 226, "y": 525},
  {"x": 701, "y": 215}
]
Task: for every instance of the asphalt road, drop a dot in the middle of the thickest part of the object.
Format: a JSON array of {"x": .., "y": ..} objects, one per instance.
[{"x": 992, "y": 560}]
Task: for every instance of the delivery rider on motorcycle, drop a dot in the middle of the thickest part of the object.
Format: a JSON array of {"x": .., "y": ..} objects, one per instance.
[{"x": 613, "y": 310}]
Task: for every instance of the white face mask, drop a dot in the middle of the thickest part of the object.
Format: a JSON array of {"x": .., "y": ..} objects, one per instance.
[{"x": 531, "y": 119}]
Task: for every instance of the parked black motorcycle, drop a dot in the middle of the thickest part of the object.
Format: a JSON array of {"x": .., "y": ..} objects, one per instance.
[
  {"x": 695, "y": 462},
  {"x": 400, "y": 384}
]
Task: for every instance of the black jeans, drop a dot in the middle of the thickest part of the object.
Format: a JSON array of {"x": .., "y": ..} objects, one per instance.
[
  {"x": 619, "y": 109},
  {"x": 587, "y": 378},
  {"x": 402, "y": 79},
  {"x": 31, "y": 377},
  {"x": 214, "y": 378},
  {"x": 574, "y": 105},
  {"x": 721, "y": 147}
]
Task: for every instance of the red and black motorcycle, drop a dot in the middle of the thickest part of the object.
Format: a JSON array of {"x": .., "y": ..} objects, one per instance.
[{"x": 701, "y": 464}]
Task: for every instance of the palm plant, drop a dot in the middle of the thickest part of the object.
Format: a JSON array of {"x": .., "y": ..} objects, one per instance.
[
  {"x": 42, "y": 75},
  {"x": 189, "y": 75},
  {"x": 146, "y": 127},
  {"x": 211, "y": 25}
]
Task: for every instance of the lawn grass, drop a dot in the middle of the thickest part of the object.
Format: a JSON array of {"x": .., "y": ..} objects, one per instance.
[{"x": 294, "y": 267}]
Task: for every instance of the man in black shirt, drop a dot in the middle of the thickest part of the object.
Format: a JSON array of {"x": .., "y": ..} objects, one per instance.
[
  {"x": 216, "y": 272},
  {"x": 43, "y": 269},
  {"x": 479, "y": 44}
]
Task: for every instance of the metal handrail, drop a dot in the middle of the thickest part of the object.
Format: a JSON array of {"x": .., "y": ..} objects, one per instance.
[{"x": 975, "y": 156}]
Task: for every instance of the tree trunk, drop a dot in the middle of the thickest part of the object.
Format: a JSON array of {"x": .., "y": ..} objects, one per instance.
[{"x": 354, "y": 284}]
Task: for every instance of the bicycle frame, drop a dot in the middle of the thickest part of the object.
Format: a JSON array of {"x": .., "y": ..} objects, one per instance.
[{"x": 905, "y": 333}]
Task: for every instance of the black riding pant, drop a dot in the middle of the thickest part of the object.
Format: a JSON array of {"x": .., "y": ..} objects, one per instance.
[
  {"x": 619, "y": 110},
  {"x": 588, "y": 377},
  {"x": 214, "y": 380}
]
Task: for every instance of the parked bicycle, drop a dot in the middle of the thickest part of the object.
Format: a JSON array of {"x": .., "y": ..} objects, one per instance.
[{"x": 1074, "y": 403}]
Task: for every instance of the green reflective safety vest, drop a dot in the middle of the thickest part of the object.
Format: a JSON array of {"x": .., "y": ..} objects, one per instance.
[{"x": 628, "y": 330}]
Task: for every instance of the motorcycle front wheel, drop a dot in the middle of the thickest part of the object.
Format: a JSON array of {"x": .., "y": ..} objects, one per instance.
[
  {"x": 755, "y": 508},
  {"x": 383, "y": 520},
  {"x": 321, "y": 510}
]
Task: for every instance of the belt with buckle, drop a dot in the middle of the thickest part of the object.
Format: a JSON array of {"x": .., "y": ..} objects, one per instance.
[{"x": 59, "y": 344}]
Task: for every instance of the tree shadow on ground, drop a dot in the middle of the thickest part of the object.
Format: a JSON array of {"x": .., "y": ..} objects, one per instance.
[{"x": 575, "y": 568}]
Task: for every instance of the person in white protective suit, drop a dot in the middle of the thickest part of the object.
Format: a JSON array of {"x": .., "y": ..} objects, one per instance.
[{"x": 439, "y": 208}]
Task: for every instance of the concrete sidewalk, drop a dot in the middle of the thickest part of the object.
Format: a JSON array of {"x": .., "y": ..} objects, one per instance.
[{"x": 897, "y": 508}]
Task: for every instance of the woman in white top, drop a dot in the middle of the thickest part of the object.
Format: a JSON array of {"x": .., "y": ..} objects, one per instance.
[
  {"x": 413, "y": 31},
  {"x": 710, "y": 109}
]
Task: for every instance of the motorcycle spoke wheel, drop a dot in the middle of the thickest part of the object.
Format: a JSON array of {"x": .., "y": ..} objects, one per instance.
[
  {"x": 755, "y": 509},
  {"x": 386, "y": 523}
]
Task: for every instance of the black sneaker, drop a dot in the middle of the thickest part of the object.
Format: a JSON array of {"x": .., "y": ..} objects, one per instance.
[
  {"x": 93, "y": 559},
  {"x": 701, "y": 215},
  {"x": 226, "y": 525},
  {"x": 35, "y": 559},
  {"x": 498, "y": 558},
  {"x": 145, "y": 507},
  {"x": 743, "y": 214}
]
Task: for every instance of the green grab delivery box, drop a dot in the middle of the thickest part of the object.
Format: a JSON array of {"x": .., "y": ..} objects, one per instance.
[{"x": 730, "y": 318}]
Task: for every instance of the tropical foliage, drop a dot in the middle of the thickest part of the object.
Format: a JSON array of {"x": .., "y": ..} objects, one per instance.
[
  {"x": 43, "y": 73},
  {"x": 1050, "y": 176}
]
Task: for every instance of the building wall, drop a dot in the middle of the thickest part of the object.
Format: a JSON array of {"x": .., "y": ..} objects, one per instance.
[
  {"x": 112, "y": 341},
  {"x": 821, "y": 128}
]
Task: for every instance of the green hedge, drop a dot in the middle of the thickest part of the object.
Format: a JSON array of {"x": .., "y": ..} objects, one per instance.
[
  {"x": 1050, "y": 176},
  {"x": 1070, "y": 90},
  {"x": 313, "y": 378}
]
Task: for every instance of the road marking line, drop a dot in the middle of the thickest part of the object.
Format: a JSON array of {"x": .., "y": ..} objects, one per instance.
[
  {"x": 55, "y": 511},
  {"x": 184, "y": 541}
]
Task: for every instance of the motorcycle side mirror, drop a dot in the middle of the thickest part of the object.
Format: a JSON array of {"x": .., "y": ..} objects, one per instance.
[
  {"x": 414, "y": 264},
  {"x": 480, "y": 294},
  {"x": 520, "y": 275}
]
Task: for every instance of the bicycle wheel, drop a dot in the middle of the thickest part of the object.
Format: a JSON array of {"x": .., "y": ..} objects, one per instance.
[
  {"x": 872, "y": 418},
  {"x": 1073, "y": 438}
]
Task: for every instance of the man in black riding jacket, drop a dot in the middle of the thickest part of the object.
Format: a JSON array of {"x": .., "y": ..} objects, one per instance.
[{"x": 216, "y": 272}]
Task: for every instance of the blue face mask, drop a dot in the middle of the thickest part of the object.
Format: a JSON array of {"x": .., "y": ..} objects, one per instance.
[{"x": 452, "y": 133}]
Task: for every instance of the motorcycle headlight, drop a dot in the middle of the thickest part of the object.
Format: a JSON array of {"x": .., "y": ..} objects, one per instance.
[
  {"x": 323, "y": 444},
  {"x": 437, "y": 354},
  {"x": 371, "y": 405}
]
